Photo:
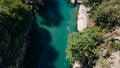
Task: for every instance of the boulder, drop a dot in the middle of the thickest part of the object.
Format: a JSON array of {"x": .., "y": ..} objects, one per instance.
[{"x": 72, "y": 1}]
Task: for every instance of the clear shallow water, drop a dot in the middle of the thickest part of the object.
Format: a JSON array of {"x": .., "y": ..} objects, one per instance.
[{"x": 54, "y": 23}]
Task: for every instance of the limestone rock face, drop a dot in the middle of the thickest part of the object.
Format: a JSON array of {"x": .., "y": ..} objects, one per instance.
[
  {"x": 114, "y": 59},
  {"x": 112, "y": 62},
  {"x": 83, "y": 17}
]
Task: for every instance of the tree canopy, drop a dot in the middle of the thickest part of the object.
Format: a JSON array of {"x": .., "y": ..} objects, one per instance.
[
  {"x": 84, "y": 44},
  {"x": 14, "y": 15}
]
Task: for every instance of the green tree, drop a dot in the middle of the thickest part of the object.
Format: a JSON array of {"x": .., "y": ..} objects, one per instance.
[{"x": 84, "y": 45}]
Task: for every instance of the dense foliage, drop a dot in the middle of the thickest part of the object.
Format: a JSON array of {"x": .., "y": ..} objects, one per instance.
[
  {"x": 91, "y": 2},
  {"x": 13, "y": 15},
  {"x": 82, "y": 45},
  {"x": 107, "y": 13},
  {"x": 15, "y": 21},
  {"x": 104, "y": 12}
]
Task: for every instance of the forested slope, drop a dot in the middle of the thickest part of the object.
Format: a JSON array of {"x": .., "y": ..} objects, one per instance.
[
  {"x": 15, "y": 25},
  {"x": 96, "y": 43}
]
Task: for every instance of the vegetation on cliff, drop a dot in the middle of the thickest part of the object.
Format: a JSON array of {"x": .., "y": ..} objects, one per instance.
[
  {"x": 106, "y": 13},
  {"x": 100, "y": 40},
  {"x": 15, "y": 21},
  {"x": 84, "y": 46}
]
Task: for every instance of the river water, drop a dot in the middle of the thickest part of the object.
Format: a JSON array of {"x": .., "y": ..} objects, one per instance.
[{"x": 54, "y": 22}]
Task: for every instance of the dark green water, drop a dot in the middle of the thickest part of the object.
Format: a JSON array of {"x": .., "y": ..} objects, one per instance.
[{"x": 54, "y": 23}]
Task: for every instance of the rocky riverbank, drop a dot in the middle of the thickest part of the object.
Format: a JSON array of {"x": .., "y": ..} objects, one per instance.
[{"x": 82, "y": 17}]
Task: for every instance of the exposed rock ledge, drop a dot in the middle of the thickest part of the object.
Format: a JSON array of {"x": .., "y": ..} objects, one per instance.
[
  {"x": 83, "y": 17},
  {"x": 112, "y": 62}
]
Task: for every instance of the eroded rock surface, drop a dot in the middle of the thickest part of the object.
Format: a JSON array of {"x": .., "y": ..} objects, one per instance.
[{"x": 83, "y": 17}]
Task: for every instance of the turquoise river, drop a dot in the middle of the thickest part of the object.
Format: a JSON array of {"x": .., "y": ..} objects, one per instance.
[{"x": 54, "y": 23}]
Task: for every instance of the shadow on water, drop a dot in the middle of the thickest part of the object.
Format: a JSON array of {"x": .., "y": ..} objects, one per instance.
[
  {"x": 50, "y": 12},
  {"x": 40, "y": 53}
]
